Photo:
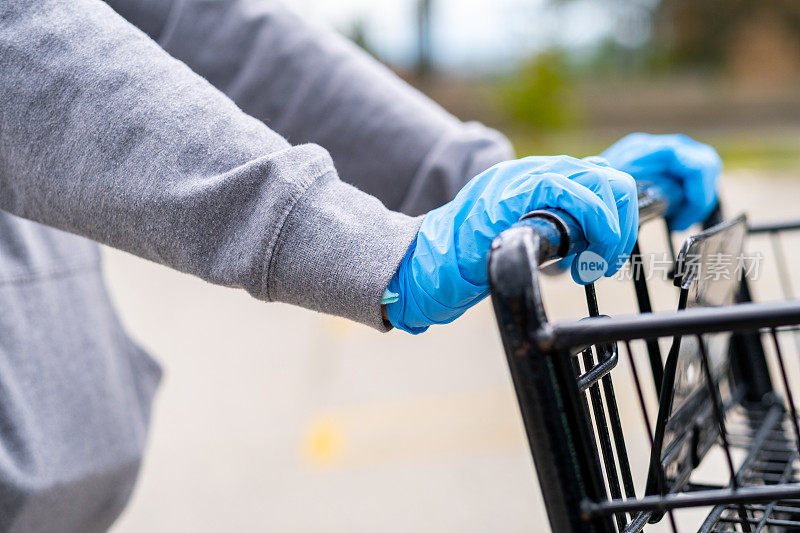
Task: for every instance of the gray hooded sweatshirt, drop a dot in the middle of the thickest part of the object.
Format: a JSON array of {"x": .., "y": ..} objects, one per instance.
[{"x": 229, "y": 139}]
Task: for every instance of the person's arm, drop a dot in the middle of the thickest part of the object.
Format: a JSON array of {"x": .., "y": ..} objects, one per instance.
[
  {"x": 105, "y": 135},
  {"x": 311, "y": 85}
]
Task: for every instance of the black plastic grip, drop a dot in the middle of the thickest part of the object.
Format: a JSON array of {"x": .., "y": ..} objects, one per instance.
[{"x": 559, "y": 233}]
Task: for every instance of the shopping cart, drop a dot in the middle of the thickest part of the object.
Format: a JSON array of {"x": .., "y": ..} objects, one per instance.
[{"x": 711, "y": 380}]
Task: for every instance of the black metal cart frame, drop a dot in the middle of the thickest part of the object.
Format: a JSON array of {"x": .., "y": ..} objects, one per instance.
[{"x": 721, "y": 385}]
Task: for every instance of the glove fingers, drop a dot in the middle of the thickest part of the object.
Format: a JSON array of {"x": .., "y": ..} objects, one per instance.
[
  {"x": 667, "y": 165},
  {"x": 597, "y": 180},
  {"x": 621, "y": 193},
  {"x": 698, "y": 166},
  {"x": 598, "y": 160},
  {"x": 657, "y": 157},
  {"x": 628, "y": 209},
  {"x": 599, "y": 223},
  {"x": 695, "y": 203}
]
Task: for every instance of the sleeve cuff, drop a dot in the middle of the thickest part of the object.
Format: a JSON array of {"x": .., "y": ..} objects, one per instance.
[{"x": 337, "y": 251}]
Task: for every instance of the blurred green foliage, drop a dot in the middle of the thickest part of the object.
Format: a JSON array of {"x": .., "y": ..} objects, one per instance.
[
  {"x": 763, "y": 153},
  {"x": 759, "y": 153},
  {"x": 540, "y": 96}
]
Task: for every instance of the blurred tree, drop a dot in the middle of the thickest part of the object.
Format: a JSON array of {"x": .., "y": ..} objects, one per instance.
[
  {"x": 424, "y": 52},
  {"x": 758, "y": 41},
  {"x": 539, "y": 97}
]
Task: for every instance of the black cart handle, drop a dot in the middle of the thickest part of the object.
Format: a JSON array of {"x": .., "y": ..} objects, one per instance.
[{"x": 559, "y": 233}]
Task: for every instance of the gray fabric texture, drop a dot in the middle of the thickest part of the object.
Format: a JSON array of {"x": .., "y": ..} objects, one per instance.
[
  {"x": 117, "y": 141},
  {"x": 310, "y": 85},
  {"x": 75, "y": 390},
  {"x": 105, "y": 135}
]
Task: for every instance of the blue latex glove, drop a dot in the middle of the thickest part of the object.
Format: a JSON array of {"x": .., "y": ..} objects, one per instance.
[
  {"x": 444, "y": 271},
  {"x": 672, "y": 158}
]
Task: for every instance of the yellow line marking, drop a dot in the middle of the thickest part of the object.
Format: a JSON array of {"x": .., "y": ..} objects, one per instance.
[{"x": 460, "y": 424}]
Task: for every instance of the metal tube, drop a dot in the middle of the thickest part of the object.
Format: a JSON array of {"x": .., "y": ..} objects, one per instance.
[
  {"x": 703, "y": 498},
  {"x": 740, "y": 317},
  {"x": 770, "y": 227}
]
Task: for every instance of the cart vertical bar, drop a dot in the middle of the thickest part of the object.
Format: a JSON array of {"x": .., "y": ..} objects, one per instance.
[{"x": 559, "y": 435}]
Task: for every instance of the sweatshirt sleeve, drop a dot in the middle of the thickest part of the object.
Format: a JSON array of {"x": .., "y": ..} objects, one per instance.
[
  {"x": 105, "y": 135},
  {"x": 313, "y": 86}
]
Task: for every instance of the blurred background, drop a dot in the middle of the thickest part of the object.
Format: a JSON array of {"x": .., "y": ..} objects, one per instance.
[
  {"x": 571, "y": 76},
  {"x": 275, "y": 418}
]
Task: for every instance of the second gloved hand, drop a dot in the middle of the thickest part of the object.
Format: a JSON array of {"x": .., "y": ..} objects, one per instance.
[
  {"x": 671, "y": 160},
  {"x": 444, "y": 271}
]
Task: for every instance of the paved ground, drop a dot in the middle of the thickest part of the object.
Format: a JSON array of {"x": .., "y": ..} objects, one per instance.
[{"x": 272, "y": 418}]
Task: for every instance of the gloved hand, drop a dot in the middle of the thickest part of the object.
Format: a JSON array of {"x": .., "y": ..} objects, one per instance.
[
  {"x": 672, "y": 159},
  {"x": 444, "y": 272}
]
